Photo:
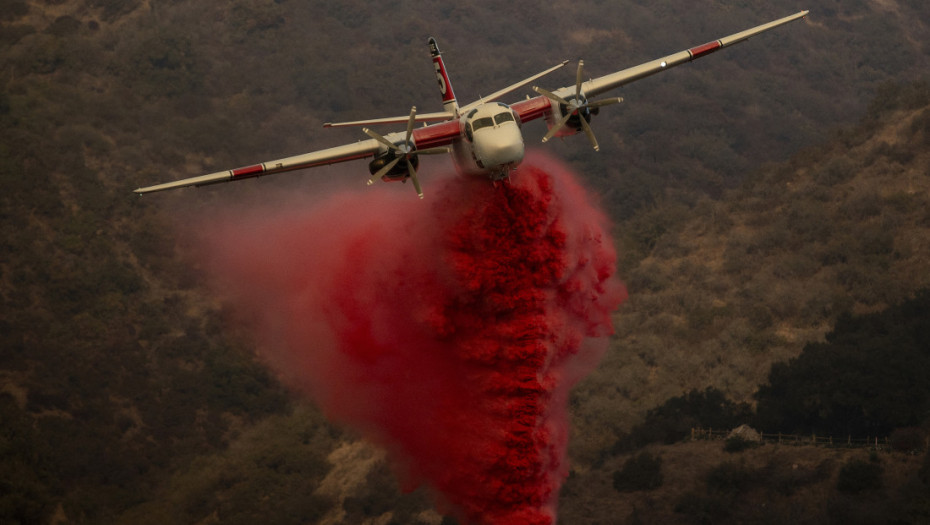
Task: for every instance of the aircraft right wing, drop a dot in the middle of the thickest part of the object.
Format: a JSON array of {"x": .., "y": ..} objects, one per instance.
[
  {"x": 425, "y": 140},
  {"x": 358, "y": 150}
]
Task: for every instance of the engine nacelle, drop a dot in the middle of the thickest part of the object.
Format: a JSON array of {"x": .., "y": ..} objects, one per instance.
[
  {"x": 399, "y": 172},
  {"x": 573, "y": 125}
]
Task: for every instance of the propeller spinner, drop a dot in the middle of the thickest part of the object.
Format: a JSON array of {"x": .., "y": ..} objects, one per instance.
[{"x": 575, "y": 108}]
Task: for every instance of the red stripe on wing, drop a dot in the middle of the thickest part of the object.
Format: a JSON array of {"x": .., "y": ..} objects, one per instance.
[
  {"x": 705, "y": 49},
  {"x": 248, "y": 171}
]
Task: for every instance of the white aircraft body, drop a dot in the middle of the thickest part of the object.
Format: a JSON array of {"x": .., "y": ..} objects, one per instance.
[{"x": 484, "y": 137}]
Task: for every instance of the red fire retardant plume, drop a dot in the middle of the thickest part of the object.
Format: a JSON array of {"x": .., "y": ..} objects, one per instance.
[{"x": 448, "y": 330}]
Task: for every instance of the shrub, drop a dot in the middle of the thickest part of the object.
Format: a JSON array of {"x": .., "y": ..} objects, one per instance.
[
  {"x": 739, "y": 444},
  {"x": 924, "y": 473},
  {"x": 730, "y": 478},
  {"x": 908, "y": 439},
  {"x": 641, "y": 472},
  {"x": 703, "y": 508},
  {"x": 13, "y": 9},
  {"x": 859, "y": 476}
]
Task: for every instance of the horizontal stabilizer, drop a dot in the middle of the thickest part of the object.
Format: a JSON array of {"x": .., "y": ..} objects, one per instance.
[
  {"x": 512, "y": 87},
  {"x": 421, "y": 117}
]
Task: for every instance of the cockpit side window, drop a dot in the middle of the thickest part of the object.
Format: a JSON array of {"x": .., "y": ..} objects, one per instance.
[{"x": 500, "y": 118}]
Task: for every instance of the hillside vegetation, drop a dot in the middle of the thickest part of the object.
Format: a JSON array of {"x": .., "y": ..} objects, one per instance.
[
  {"x": 126, "y": 397},
  {"x": 701, "y": 483},
  {"x": 722, "y": 290}
]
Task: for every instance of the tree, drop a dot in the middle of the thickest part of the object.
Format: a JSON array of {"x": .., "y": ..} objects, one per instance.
[
  {"x": 674, "y": 419},
  {"x": 868, "y": 378}
]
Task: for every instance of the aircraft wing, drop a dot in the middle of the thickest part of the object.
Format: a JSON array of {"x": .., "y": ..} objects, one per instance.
[
  {"x": 620, "y": 78},
  {"x": 362, "y": 149},
  {"x": 576, "y": 100}
]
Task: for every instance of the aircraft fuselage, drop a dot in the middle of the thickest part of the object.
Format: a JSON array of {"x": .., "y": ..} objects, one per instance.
[{"x": 491, "y": 143}]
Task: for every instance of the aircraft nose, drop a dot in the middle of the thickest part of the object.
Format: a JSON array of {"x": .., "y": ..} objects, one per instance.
[
  {"x": 503, "y": 148},
  {"x": 508, "y": 153}
]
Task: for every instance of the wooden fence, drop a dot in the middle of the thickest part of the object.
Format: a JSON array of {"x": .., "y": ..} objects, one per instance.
[{"x": 874, "y": 443}]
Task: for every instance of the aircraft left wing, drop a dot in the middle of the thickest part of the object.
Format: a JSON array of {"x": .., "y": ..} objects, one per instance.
[
  {"x": 620, "y": 78},
  {"x": 359, "y": 150}
]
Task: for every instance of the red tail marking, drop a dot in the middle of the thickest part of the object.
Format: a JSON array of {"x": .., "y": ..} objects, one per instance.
[{"x": 445, "y": 87}]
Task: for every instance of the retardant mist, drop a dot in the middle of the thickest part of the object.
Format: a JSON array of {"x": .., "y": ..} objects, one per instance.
[{"x": 449, "y": 331}]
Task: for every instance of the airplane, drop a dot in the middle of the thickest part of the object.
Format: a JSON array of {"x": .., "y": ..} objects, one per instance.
[{"x": 484, "y": 137}]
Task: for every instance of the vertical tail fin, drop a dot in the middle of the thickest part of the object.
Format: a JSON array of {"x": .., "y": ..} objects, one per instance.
[{"x": 449, "y": 103}]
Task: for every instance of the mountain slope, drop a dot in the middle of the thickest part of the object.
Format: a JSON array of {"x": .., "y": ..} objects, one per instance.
[
  {"x": 122, "y": 383},
  {"x": 720, "y": 291}
]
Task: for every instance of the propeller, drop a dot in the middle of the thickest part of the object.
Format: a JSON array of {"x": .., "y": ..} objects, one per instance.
[
  {"x": 406, "y": 151},
  {"x": 576, "y": 109}
]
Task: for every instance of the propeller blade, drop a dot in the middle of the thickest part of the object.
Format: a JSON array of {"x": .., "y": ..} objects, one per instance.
[
  {"x": 433, "y": 151},
  {"x": 590, "y": 133},
  {"x": 380, "y": 138},
  {"x": 578, "y": 78},
  {"x": 550, "y": 95},
  {"x": 605, "y": 102},
  {"x": 413, "y": 176},
  {"x": 555, "y": 129},
  {"x": 410, "y": 123},
  {"x": 387, "y": 167}
]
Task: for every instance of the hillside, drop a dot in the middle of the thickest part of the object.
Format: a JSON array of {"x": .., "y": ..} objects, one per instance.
[
  {"x": 126, "y": 396},
  {"x": 721, "y": 290},
  {"x": 700, "y": 482}
]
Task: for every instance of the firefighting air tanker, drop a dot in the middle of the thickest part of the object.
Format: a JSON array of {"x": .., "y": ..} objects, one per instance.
[{"x": 484, "y": 137}]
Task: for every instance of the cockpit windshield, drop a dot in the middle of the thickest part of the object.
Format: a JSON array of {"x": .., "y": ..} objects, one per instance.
[
  {"x": 484, "y": 122},
  {"x": 500, "y": 118}
]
